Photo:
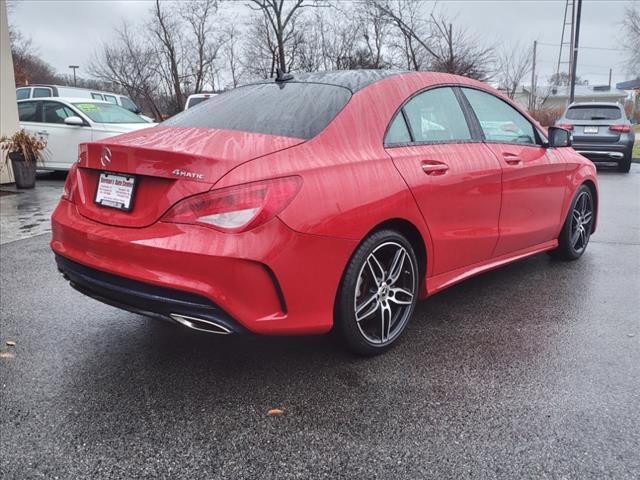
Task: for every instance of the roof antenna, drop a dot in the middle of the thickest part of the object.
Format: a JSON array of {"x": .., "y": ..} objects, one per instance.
[{"x": 282, "y": 76}]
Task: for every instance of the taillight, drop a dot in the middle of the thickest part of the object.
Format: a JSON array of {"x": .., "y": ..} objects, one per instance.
[
  {"x": 236, "y": 209},
  {"x": 70, "y": 183},
  {"x": 620, "y": 128},
  {"x": 565, "y": 126}
]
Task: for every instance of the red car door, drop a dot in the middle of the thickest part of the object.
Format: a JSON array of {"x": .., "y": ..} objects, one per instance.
[
  {"x": 533, "y": 178},
  {"x": 455, "y": 180}
]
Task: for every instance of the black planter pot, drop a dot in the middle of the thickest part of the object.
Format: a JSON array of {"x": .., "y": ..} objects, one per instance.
[{"x": 23, "y": 172}]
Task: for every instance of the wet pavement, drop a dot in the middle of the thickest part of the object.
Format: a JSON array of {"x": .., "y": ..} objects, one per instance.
[
  {"x": 531, "y": 371},
  {"x": 26, "y": 213}
]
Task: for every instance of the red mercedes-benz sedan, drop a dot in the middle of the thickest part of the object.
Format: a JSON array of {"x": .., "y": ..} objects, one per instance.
[{"x": 322, "y": 201}]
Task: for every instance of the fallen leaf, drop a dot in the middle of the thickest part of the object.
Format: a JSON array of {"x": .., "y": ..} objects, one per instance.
[
  {"x": 274, "y": 412},
  {"x": 6, "y": 355},
  {"x": 11, "y": 343}
]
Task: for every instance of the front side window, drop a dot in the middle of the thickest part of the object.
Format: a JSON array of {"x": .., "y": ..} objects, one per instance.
[
  {"x": 40, "y": 92},
  {"x": 436, "y": 116},
  {"x": 111, "y": 99},
  {"x": 291, "y": 109},
  {"x": 22, "y": 93},
  {"x": 500, "y": 122},
  {"x": 108, "y": 113},
  {"x": 96, "y": 96},
  {"x": 27, "y": 111},
  {"x": 55, "y": 112}
]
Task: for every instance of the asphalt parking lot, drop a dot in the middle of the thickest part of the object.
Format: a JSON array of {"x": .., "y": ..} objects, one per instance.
[{"x": 531, "y": 371}]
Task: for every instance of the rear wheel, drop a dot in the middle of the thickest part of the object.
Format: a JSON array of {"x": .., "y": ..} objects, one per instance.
[
  {"x": 577, "y": 227},
  {"x": 378, "y": 293},
  {"x": 625, "y": 164}
]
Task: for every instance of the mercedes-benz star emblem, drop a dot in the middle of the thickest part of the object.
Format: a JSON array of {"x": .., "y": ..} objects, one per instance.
[{"x": 105, "y": 158}]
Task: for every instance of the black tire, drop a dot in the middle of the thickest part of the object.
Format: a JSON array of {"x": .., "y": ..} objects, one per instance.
[
  {"x": 382, "y": 290},
  {"x": 573, "y": 241},
  {"x": 625, "y": 164}
]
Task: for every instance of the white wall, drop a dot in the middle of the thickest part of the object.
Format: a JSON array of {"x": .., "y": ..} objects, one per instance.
[{"x": 8, "y": 105}]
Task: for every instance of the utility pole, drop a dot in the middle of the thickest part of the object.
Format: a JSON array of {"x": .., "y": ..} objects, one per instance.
[
  {"x": 610, "y": 74},
  {"x": 574, "y": 57},
  {"x": 74, "y": 68},
  {"x": 532, "y": 96}
]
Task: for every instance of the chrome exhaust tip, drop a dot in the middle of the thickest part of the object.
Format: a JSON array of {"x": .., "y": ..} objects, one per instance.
[{"x": 200, "y": 324}]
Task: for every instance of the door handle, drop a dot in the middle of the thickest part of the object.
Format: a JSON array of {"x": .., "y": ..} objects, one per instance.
[
  {"x": 42, "y": 132},
  {"x": 511, "y": 158},
  {"x": 434, "y": 168}
]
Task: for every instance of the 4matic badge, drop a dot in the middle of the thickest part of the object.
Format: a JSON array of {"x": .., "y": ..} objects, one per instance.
[{"x": 182, "y": 173}]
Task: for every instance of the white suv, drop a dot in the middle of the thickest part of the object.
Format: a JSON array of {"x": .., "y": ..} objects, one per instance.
[{"x": 66, "y": 122}]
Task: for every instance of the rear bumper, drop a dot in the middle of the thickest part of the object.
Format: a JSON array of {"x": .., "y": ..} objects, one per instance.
[
  {"x": 271, "y": 280},
  {"x": 604, "y": 152},
  {"x": 143, "y": 298}
]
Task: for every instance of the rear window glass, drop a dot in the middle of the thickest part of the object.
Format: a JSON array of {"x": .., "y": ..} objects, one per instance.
[
  {"x": 594, "y": 113},
  {"x": 298, "y": 110},
  {"x": 195, "y": 101}
]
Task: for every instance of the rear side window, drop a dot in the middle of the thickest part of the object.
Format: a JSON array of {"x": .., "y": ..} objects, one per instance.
[
  {"x": 436, "y": 116},
  {"x": 500, "y": 122},
  {"x": 398, "y": 133},
  {"x": 298, "y": 110},
  {"x": 195, "y": 101},
  {"x": 22, "y": 93},
  {"x": 96, "y": 96},
  {"x": 593, "y": 113},
  {"x": 27, "y": 111},
  {"x": 40, "y": 92},
  {"x": 111, "y": 99}
]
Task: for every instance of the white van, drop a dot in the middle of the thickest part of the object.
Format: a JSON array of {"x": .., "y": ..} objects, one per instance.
[{"x": 41, "y": 91}]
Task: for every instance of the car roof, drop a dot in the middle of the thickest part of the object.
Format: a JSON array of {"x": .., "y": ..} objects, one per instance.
[
  {"x": 354, "y": 80},
  {"x": 66, "y": 99},
  {"x": 53, "y": 85}
]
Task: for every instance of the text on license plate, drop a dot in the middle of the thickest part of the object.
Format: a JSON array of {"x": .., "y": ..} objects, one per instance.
[
  {"x": 115, "y": 191},
  {"x": 590, "y": 129}
]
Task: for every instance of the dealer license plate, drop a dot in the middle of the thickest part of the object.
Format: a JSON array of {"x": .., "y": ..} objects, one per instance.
[
  {"x": 115, "y": 191},
  {"x": 590, "y": 129}
]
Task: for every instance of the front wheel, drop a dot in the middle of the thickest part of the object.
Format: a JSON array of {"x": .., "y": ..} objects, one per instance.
[
  {"x": 377, "y": 294},
  {"x": 577, "y": 227}
]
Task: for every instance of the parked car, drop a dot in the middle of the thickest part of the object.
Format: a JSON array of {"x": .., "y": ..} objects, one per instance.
[
  {"x": 67, "y": 122},
  {"x": 601, "y": 132},
  {"x": 41, "y": 91},
  {"x": 326, "y": 200},
  {"x": 197, "y": 98}
]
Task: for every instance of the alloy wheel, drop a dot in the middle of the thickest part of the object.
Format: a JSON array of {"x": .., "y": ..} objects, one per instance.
[
  {"x": 581, "y": 219},
  {"x": 385, "y": 293}
]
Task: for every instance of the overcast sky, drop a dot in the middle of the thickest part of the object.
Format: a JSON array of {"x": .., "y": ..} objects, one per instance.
[{"x": 67, "y": 31}]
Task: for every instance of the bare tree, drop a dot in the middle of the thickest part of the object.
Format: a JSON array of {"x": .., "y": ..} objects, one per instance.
[
  {"x": 165, "y": 28},
  {"x": 281, "y": 21},
  {"x": 230, "y": 53},
  {"x": 513, "y": 64},
  {"x": 260, "y": 49},
  {"x": 433, "y": 42},
  {"x": 631, "y": 38},
  {"x": 131, "y": 64},
  {"x": 202, "y": 47}
]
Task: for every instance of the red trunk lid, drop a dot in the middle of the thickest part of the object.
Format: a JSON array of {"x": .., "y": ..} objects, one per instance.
[{"x": 169, "y": 164}]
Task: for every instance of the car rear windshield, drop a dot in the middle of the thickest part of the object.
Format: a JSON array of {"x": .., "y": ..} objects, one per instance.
[
  {"x": 298, "y": 110},
  {"x": 594, "y": 113}
]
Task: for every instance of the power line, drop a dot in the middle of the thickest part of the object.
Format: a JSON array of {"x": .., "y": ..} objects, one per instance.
[{"x": 587, "y": 48}]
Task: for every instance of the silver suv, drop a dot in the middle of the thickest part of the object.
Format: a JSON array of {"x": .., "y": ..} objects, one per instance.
[{"x": 601, "y": 132}]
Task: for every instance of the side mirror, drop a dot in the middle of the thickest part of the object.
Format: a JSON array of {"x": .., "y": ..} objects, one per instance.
[
  {"x": 74, "y": 121},
  {"x": 559, "y": 137}
]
